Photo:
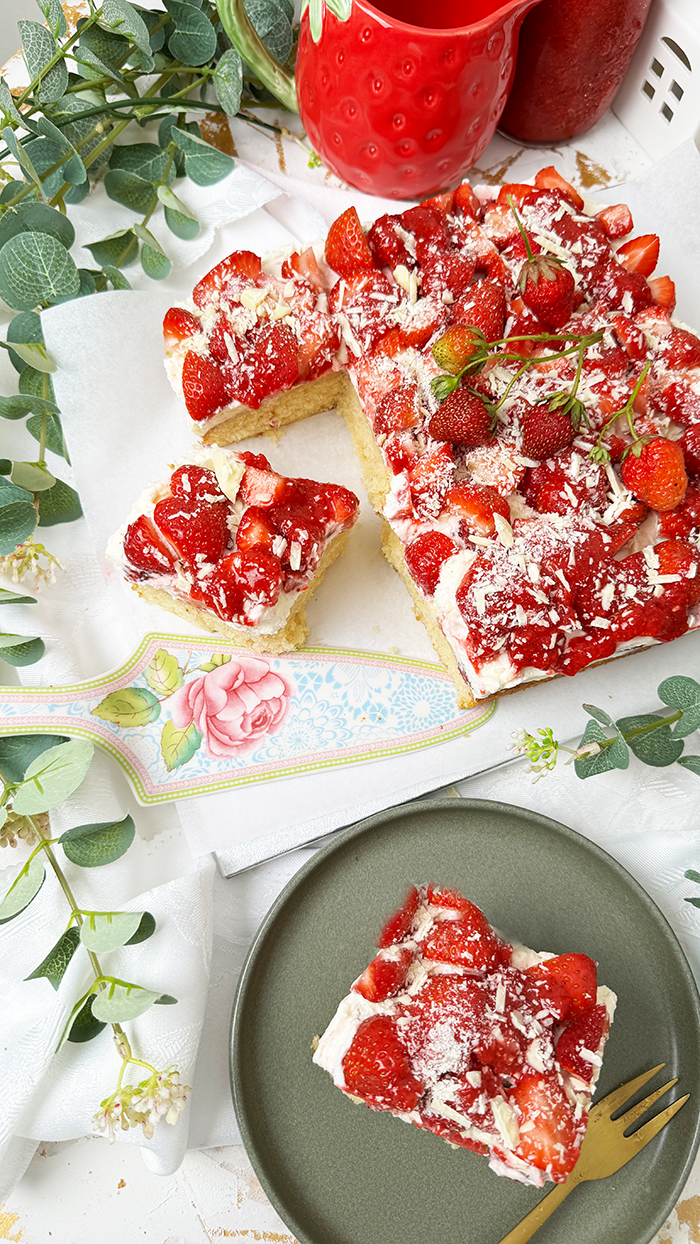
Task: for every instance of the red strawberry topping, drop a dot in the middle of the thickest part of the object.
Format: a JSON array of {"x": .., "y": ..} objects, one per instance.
[
  {"x": 146, "y": 549},
  {"x": 425, "y": 557},
  {"x": 243, "y": 264},
  {"x": 385, "y": 975},
  {"x": 347, "y": 251},
  {"x": 464, "y": 419},
  {"x": 577, "y": 974},
  {"x": 616, "y": 220},
  {"x": 241, "y": 580},
  {"x": 398, "y": 925},
  {"x": 376, "y": 1067},
  {"x": 581, "y": 1037},
  {"x": 386, "y": 245},
  {"x": 177, "y": 325},
  {"x": 430, "y": 479},
  {"x": 484, "y": 307},
  {"x": 640, "y": 254},
  {"x": 548, "y": 289},
  {"x": 207, "y": 389},
  {"x": 196, "y": 527},
  {"x": 468, "y": 941},
  {"x": 476, "y": 505},
  {"x": 549, "y": 1137},
  {"x": 545, "y": 432}
]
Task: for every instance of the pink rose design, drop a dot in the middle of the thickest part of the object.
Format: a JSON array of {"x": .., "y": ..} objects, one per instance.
[{"x": 233, "y": 705}]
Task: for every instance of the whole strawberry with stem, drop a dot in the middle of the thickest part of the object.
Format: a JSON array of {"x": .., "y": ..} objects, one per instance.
[
  {"x": 547, "y": 288},
  {"x": 464, "y": 418},
  {"x": 654, "y": 470},
  {"x": 457, "y": 345}
]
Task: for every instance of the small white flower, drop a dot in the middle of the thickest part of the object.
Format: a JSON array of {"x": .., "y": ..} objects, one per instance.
[{"x": 143, "y": 1105}]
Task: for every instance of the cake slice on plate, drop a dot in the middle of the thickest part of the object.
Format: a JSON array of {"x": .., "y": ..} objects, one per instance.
[
  {"x": 231, "y": 546},
  {"x": 490, "y": 1045}
]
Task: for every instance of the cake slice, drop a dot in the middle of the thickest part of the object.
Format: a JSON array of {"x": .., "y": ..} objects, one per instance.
[
  {"x": 231, "y": 546},
  {"x": 490, "y": 1045}
]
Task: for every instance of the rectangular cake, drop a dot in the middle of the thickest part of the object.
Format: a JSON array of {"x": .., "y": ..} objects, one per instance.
[
  {"x": 525, "y": 409},
  {"x": 232, "y": 546},
  {"x": 492, "y": 1046}
]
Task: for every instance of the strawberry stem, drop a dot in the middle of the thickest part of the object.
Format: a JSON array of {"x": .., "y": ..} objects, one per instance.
[
  {"x": 521, "y": 227},
  {"x": 599, "y": 453}
]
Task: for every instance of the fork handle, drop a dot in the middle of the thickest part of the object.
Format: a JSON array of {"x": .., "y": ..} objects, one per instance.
[{"x": 533, "y": 1221}]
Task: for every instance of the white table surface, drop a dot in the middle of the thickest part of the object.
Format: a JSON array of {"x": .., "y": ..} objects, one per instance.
[{"x": 78, "y": 1191}]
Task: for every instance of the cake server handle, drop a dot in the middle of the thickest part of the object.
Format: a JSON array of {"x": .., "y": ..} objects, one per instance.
[{"x": 533, "y": 1221}]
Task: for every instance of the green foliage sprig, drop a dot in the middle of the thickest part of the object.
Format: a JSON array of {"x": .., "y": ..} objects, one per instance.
[
  {"x": 123, "y": 67},
  {"x": 654, "y": 738},
  {"x": 37, "y": 773}
]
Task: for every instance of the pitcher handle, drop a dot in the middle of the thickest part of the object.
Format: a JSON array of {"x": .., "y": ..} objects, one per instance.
[{"x": 248, "y": 43}]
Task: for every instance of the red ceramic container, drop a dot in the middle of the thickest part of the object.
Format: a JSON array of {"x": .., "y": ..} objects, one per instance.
[{"x": 402, "y": 98}]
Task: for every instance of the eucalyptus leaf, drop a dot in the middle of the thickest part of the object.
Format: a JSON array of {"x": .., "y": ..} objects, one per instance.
[
  {"x": 53, "y": 776},
  {"x": 168, "y": 199},
  {"x": 684, "y": 693},
  {"x": 694, "y": 901},
  {"x": 8, "y": 597},
  {"x": 116, "y": 279},
  {"x": 228, "y": 81},
  {"x": 105, "y": 931},
  {"x": 129, "y": 190},
  {"x": 36, "y": 356},
  {"x": 166, "y": 999},
  {"x": 145, "y": 160},
  {"x": 614, "y": 757},
  {"x": 128, "y": 707},
  {"x": 33, "y": 268},
  {"x": 21, "y": 404},
  {"x": 692, "y": 875},
  {"x": 104, "y": 49},
  {"x": 118, "y": 1003},
  {"x": 60, "y": 504},
  {"x": 85, "y": 1026},
  {"x": 155, "y": 264},
  {"x": 17, "y": 751},
  {"x": 23, "y": 158},
  {"x": 272, "y": 24},
  {"x": 55, "y": 17},
  {"x": 33, "y": 476},
  {"x": 194, "y": 39},
  {"x": 8, "y": 106},
  {"x": 185, "y": 227},
  {"x": 204, "y": 164},
  {"x": 91, "y": 846},
  {"x": 599, "y": 713},
  {"x": 54, "y": 966},
  {"x": 146, "y": 929},
  {"x": 24, "y": 888},
  {"x": 28, "y": 652},
  {"x": 73, "y": 170},
  {"x": 17, "y": 522},
  {"x": 77, "y": 131},
  {"x": 658, "y": 748},
  {"x": 117, "y": 250},
  {"x": 37, "y": 384},
  {"x": 54, "y": 433},
  {"x": 692, "y": 763},
  {"x": 127, "y": 21},
  {"x": 39, "y": 48},
  {"x": 10, "y": 493}
]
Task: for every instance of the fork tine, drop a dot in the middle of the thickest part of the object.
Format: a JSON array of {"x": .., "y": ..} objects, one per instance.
[
  {"x": 620, "y": 1095},
  {"x": 644, "y": 1134},
  {"x": 636, "y": 1112}
]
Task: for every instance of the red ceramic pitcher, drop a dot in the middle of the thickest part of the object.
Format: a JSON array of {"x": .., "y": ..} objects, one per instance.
[{"x": 400, "y": 106}]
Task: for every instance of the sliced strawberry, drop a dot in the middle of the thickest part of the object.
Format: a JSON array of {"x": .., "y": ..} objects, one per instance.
[
  {"x": 616, "y": 220},
  {"x": 577, "y": 974},
  {"x": 243, "y": 579},
  {"x": 549, "y": 1138},
  {"x": 663, "y": 292},
  {"x": 398, "y": 925},
  {"x": 343, "y": 504},
  {"x": 218, "y": 345},
  {"x": 255, "y": 528},
  {"x": 547, "y": 994},
  {"x": 581, "y": 1037},
  {"x": 238, "y": 264},
  {"x": 440, "y": 896},
  {"x": 430, "y": 479},
  {"x": 440, "y": 202},
  {"x": 206, "y": 387},
  {"x": 682, "y": 558},
  {"x": 347, "y": 252},
  {"x": 195, "y": 481},
  {"x": 425, "y": 557},
  {"x": 690, "y": 442},
  {"x": 319, "y": 343},
  {"x": 261, "y": 487},
  {"x": 484, "y": 307},
  {"x": 549, "y": 179},
  {"x": 513, "y": 190},
  {"x": 465, "y": 202},
  {"x": 674, "y": 398},
  {"x": 447, "y": 270},
  {"x": 387, "y": 247},
  {"x": 146, "y": 549},
  {"x": 197, "y": 528},
  {"x": 304, "y": 533},
  {"x": 429, "y": 229},
  {"x": 679, "y": 348},
  {"x": 500, "y": 224},
  {"x": 423, "y": 319},
  {"x": 385, "y": 975},
  {"x": 630, "y": 336},
  {"x": 273, "y": 359},
  {"x": 613, "y": 285},
  {"x": 254, "y": 460},
  {"x": 377, "y": 1068},
  {"x": 477, "y": 505},
  {"x": 464, "y": 419},
  {"x": 397, "y": 410},
  {"x": 178, "y": 324},
  {"x": 306, "y": 266},
  {"x": 469, "y": 941},
  {"x": 640, "y": 254}
]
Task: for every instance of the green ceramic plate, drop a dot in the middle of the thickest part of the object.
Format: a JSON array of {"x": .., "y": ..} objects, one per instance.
[{"x": 338, "y": 1173}]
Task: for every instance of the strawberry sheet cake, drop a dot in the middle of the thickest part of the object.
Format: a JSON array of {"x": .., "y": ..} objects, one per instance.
[
  {"x": 525, "y": 409},
  {"x": 492, "y": 1046},
  {"x": 230, "y": 545}
]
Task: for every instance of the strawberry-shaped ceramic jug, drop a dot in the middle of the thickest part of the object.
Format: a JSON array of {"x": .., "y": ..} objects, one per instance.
[{"x": 400, "y": 106}]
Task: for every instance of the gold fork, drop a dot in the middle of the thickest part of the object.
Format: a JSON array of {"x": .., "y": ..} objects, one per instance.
[{"x": 605, "y": 1147}]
